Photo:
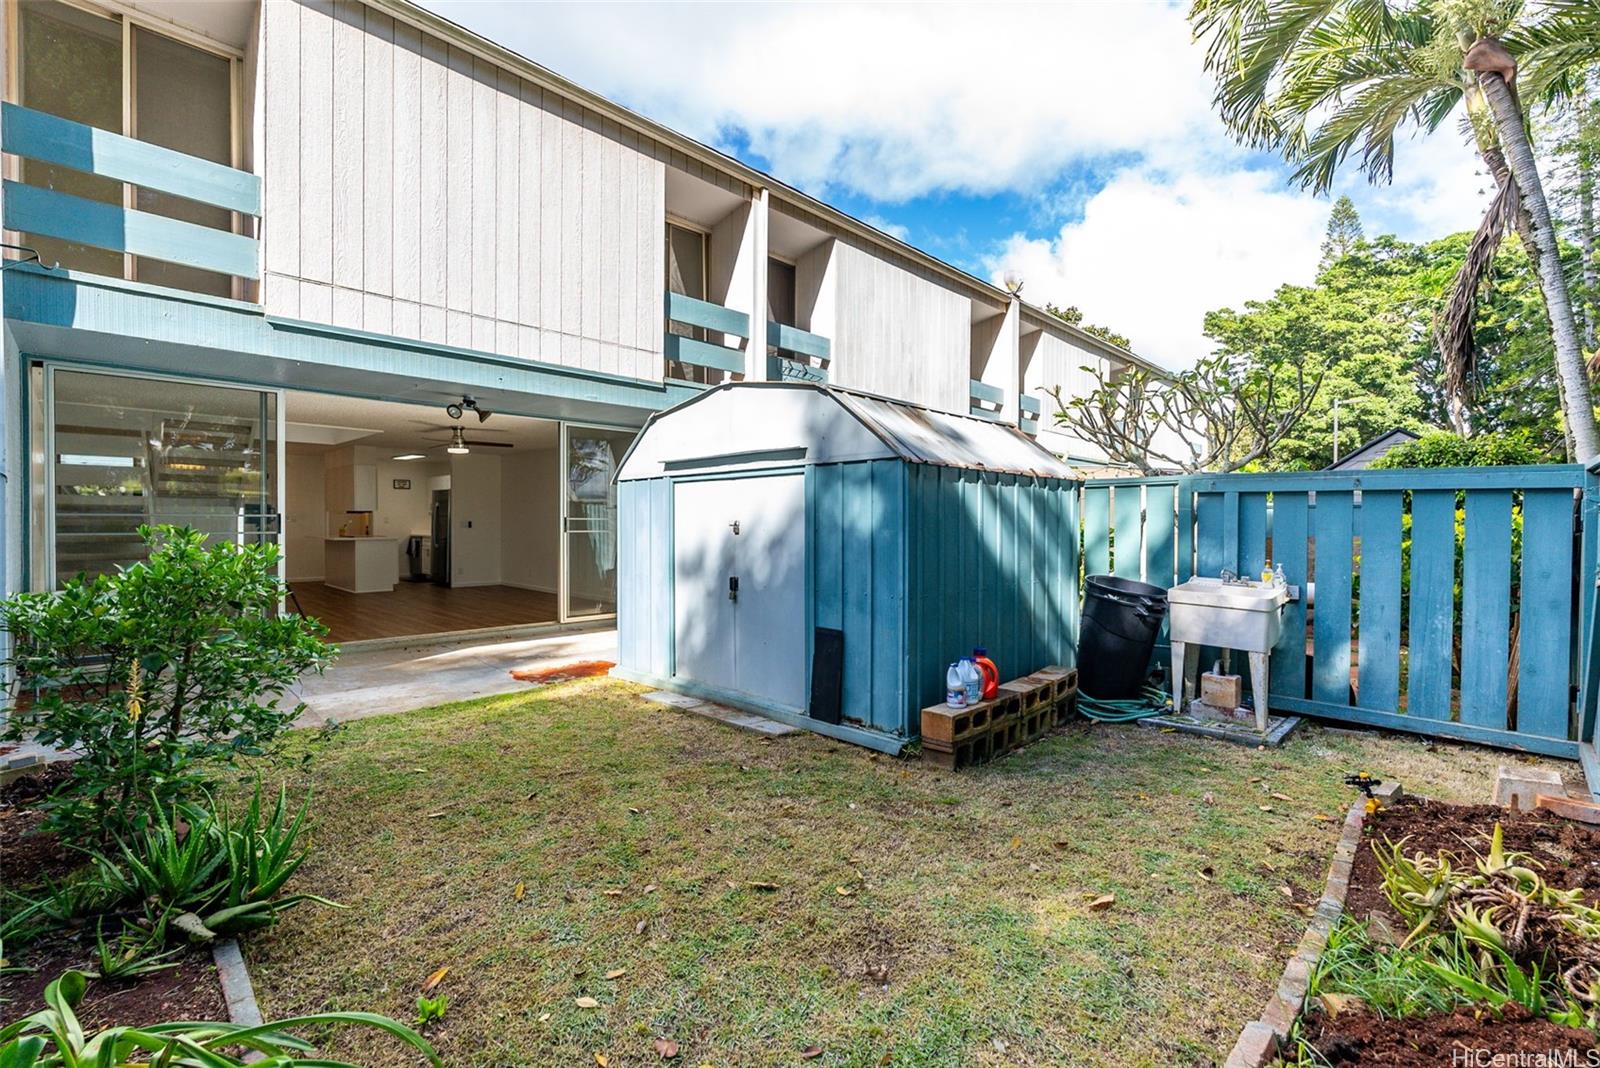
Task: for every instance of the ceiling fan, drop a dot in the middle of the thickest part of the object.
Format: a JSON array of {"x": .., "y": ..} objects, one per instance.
[{"x": 459, "y": 443}]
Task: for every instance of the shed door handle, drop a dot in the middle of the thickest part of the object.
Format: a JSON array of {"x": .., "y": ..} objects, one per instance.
[{"x": 733, "y": 587}]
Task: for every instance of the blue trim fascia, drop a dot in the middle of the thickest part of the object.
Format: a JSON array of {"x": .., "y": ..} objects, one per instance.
[{"x": 67, "y": 315}]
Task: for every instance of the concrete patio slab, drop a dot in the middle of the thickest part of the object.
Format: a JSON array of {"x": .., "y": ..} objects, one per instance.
[
  {"x": 733, "y": 717},
  {"x": 401, "y": 678}
]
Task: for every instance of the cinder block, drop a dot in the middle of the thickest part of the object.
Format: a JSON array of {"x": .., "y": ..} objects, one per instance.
[
  {"x": 941, "y": 723},
  {"x": 1388, "y": 793},
  {"x": 1029, "y": 693},
  {"x": 1222, "y": 691},
  {"x": 1520, "y": 787}
]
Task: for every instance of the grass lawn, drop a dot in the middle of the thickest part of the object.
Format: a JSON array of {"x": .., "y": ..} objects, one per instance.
[{"x": 750, "y": 897}]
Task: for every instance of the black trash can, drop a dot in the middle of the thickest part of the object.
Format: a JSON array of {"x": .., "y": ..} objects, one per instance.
[{"x": 1121, "y": 620}]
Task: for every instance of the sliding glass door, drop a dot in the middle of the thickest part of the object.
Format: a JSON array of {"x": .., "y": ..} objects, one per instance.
[
  {"x": 119, "y": 451},
  {"x": 589, "y": 459}
]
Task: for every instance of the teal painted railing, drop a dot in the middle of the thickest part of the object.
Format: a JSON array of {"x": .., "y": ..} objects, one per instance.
[
  {"x": 801, "y": 356},
  {"x": 708, "y": 319},
  {"x": 1440, "y": 602},
  {"x": 986, "y": 400},
  {"x": 1029, "y": 408},
  {"x": 33, "y": 209}
]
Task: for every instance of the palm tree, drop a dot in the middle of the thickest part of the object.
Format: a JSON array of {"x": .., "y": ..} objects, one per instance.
[{"x": 1315, "y": 80}]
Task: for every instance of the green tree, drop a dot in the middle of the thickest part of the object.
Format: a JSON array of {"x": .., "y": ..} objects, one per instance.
[
  {"x": 1440, "y": 448},
  {"x": 1343, "y": 235},
  {"x": 1316, "y": 81},
  {"x": 1073, "y": 317}
]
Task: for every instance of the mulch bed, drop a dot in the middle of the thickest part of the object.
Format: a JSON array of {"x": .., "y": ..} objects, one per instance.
[
  {"x": 1569, "y": 854},
  {"x": 1446, "y": 1041},
  {"x": 30, "y": 857},
  {"x": 190, "y": 991}
]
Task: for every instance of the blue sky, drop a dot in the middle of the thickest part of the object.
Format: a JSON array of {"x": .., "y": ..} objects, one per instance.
[{"x": 1072, "y": 143}]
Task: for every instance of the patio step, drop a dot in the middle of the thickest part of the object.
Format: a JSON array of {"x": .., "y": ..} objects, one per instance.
[{"x": 733, "y": 717}]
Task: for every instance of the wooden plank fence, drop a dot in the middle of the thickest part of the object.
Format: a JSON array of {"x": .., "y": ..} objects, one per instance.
[{"x": 1456, "y": 603}]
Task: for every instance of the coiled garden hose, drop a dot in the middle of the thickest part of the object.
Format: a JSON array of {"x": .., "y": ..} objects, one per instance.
[{"x": 1152, "y": 701}]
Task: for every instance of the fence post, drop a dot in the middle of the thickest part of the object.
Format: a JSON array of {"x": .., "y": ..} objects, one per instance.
[{"x": 1589, "y": 606}]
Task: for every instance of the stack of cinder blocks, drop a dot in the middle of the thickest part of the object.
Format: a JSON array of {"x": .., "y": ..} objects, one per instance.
[{"x": 1023, "y": 710}]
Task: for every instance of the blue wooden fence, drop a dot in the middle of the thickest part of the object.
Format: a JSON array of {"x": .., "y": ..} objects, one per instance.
[{"x": 1456, "y": 603}]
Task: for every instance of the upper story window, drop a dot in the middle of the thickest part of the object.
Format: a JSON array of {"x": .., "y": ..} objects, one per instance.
[
  {"x": 686, "y": 274},
  {"x": 781, "y": 299},
  {"x": 104, "y": 71}
]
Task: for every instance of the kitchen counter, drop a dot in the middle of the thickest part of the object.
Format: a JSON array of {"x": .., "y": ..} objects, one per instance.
[{"x": 361, "y": 565}]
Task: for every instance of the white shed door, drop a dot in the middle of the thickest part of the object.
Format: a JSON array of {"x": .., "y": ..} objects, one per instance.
[{"x": 739, "y": 586}]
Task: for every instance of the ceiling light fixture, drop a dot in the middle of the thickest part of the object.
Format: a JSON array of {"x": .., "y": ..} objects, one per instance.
[
  {"x": 464, "y": 405},
  {"x": 409, "y": 456},
  {"x": 457, "y": 446}
]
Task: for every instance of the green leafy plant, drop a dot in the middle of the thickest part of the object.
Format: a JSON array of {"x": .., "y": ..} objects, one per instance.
[
  {"x": 431, "y": 1010},
  {"x": 218, "y": 872},
  {"x": 1392, "y": 981},
  {"x": 135, "y": 952},
  {"x": 155, "y": 673},
  {"x": 53, "y": 1038}
]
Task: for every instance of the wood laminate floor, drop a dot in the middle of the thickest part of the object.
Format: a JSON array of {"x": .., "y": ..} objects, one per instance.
[{"x": 421, "y": 608}]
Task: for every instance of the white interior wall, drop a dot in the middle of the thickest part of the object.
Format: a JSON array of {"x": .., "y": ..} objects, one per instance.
[
  {"x": 305, "y": 515},
  {"x": 475, "y": 519},
  {"x": 404, "y": 512},
  {"x": 530, "y": 554}
]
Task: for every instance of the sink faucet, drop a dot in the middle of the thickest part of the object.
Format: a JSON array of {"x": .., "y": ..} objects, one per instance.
[{"x": 1229, "y": 577}]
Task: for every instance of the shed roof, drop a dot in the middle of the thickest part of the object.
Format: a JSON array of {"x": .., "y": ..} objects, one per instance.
[{"x": 780, "y": 424}]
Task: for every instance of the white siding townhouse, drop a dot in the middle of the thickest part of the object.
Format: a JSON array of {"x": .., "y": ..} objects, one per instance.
[{"x": 343, "y": 274}]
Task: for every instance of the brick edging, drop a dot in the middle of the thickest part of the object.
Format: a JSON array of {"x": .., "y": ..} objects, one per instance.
[
  {"x": 1260, "y": 1040},
  {"x": 237, "y": 990}
]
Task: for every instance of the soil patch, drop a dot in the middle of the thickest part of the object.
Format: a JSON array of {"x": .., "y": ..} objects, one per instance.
[
  {"x": 30, "y": 856},
  {"x": 1568, "y": 853},
  {"x": 191, "y": 991},
  {"x": 1446, "y": 1041}
]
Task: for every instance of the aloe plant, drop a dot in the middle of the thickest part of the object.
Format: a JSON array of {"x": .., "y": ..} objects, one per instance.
[{"x": 53, "y": 1038}]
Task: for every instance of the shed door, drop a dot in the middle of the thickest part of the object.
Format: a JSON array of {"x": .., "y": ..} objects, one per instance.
[{"x": 751, "y": 640}]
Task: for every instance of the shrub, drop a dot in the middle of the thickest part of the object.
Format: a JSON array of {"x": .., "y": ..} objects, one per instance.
[
  {"x": 1442, "y": 449},
  {"x": 148, "y": 672}
]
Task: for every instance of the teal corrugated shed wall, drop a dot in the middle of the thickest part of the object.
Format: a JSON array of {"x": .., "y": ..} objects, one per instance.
[
  {"x": 915, "y": 563},
  {"x": 644, "y": 576},
  {"x": 993, "y": 562},
  {"x": 858, "y": 583}
]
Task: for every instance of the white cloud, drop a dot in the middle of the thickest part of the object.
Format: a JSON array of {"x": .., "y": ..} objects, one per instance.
[
  {"x": 894, "y": 102},
  {"x": 890, "y": 101},
  {"x": 1154, "y": 253},
  {"x": 893, "y": 229}
]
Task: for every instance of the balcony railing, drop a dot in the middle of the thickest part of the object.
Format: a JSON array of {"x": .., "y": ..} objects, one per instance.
[
  {"x": 1029, "y": 409},
  {"x": 801, "y": 356},
  {"x": 702, "y": 315},
  {"x": 50, "y": 139},
  {"x": 986, "y": 400}
]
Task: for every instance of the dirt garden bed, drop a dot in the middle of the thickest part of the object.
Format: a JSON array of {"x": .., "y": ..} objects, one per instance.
[
  {"x": 188, "y": 991},
  {"x": 1383, "y": 995}
]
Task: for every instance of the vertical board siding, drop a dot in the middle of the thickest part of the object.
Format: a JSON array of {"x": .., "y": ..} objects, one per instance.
[
  {"x": 1378, "y": 629},
  {"x": 644, "y": 576},
  {"x": 1097, "y": 530},
  {"x": 1545, "y": 651},
  {"x": 404, "y": 172},
  {"x": 1331, "y": 538},
  {"x": 1291, "y": 527},
  {"x": 1127, "y": 552},
  {"x": 1432, "y": 619},
  {"x": 1160, "y": 550},
  {"x": 1393, "y": 587},
  {"x": 1486, "y": 607}
]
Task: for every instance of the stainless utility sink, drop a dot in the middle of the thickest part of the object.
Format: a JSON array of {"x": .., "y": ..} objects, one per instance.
[{"x": 1228, "y": 614}]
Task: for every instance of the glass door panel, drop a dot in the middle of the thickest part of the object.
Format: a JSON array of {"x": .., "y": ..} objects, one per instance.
[
  {"x": 590, "y": 456},
  {"x": 125, "y": 451}
]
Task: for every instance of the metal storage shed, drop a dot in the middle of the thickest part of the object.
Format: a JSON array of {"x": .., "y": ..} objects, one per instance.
[{"x": 757, "y": 521}]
